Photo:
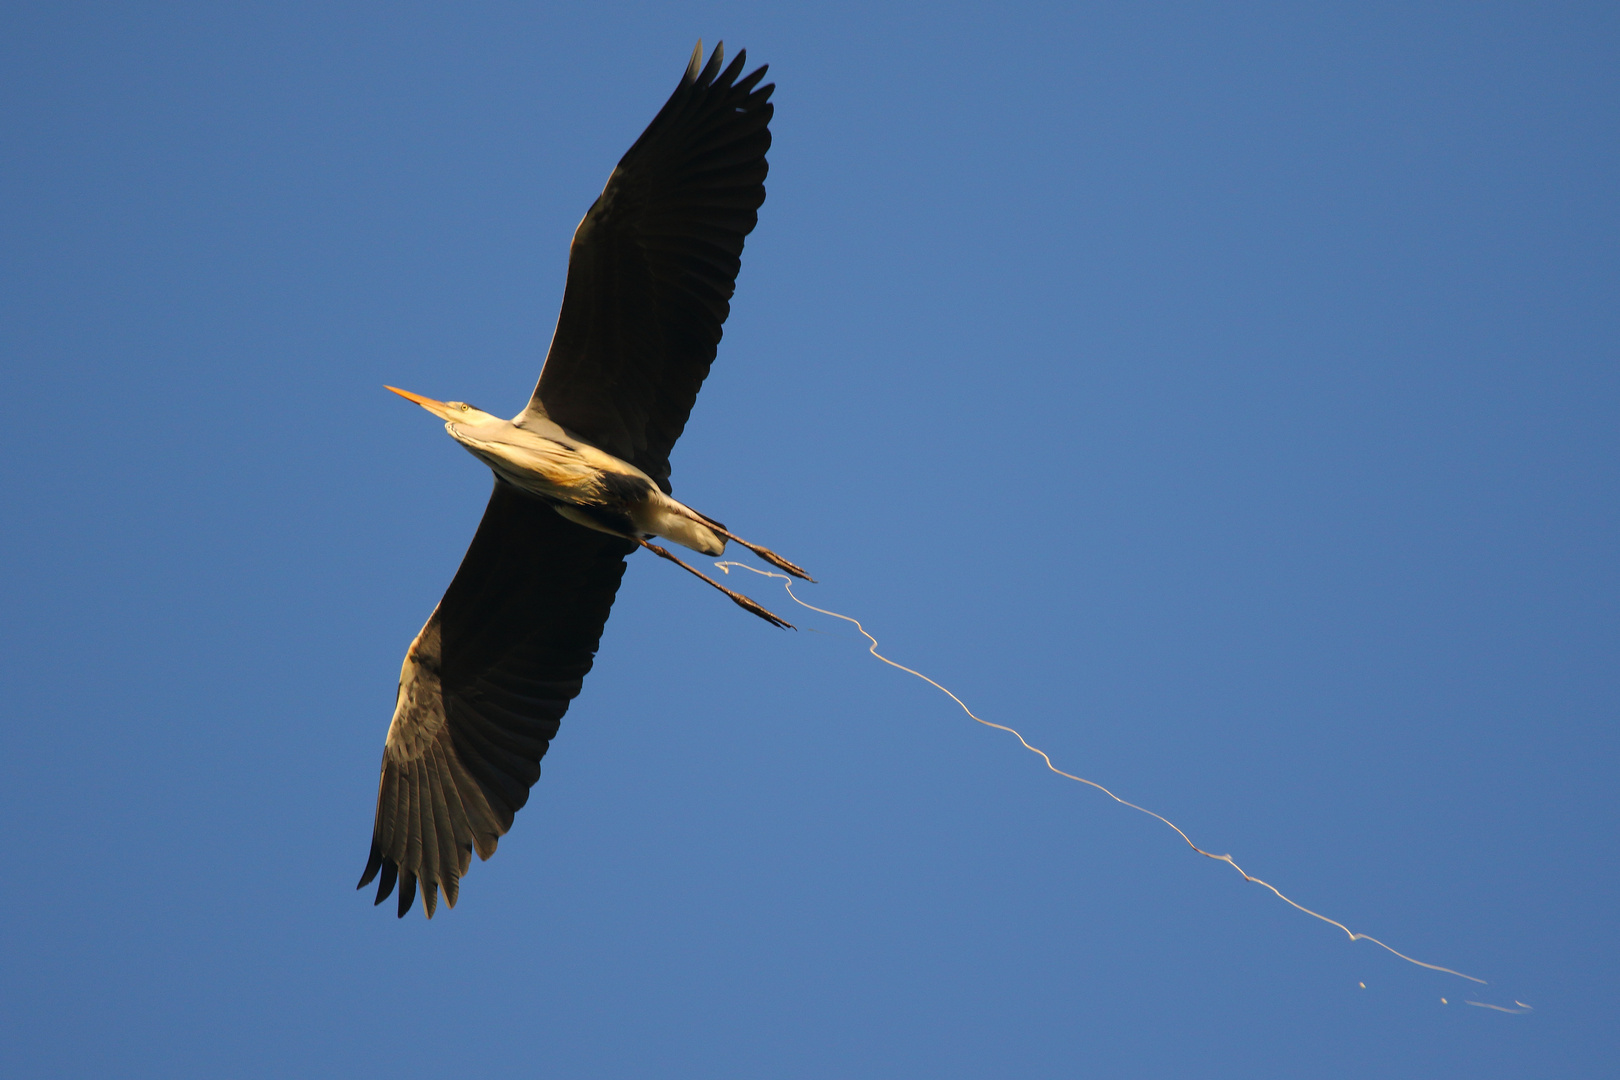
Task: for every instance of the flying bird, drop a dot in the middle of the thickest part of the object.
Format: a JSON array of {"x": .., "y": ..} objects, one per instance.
[{"x": 581, "y": 481}]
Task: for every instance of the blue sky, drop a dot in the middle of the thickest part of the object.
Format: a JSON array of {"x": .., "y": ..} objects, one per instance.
[{"x": 1226, "y": 399}]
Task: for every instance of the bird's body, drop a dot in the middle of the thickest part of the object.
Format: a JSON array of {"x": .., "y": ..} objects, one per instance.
[{"x": 581, "y": 481}]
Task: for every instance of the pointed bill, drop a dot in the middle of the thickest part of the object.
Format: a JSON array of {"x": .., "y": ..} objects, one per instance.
[{"x": 437, "y": 408}]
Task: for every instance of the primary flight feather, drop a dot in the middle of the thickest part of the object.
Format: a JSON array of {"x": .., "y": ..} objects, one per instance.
[{"x": 581, "y": 480}]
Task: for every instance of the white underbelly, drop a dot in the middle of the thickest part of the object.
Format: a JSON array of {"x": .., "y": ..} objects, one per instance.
[{"x": 544, "y": 468}]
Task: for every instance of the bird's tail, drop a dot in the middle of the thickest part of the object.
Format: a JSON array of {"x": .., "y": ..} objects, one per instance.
[
  {"x": 763, "y": 552},
  {"x": 663, "y": 516}
]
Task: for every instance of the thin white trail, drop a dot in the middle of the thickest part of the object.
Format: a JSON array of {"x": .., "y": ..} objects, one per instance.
[
  {"x": 787, "y": 583},
  {"x": 1522, "y": 1007}
]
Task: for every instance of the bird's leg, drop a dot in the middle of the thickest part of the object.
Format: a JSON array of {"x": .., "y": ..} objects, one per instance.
[
  {"x": 763, "y": 552},
  {"x": 737, "y": 598}
]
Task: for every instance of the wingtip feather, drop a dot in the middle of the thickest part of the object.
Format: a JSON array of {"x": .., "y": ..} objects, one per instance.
[
  {"x": 373, "y": 864},
  {"x": 407, "y": 891},
  {"x": 385, "y": 886},
  {"x": 712, "y": 68}
]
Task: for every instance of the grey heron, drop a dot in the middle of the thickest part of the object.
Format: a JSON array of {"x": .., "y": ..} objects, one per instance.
[{"x": 581, "y": 480}]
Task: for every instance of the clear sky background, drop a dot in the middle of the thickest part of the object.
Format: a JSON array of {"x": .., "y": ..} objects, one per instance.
[{"x": 1227, "y": 399}]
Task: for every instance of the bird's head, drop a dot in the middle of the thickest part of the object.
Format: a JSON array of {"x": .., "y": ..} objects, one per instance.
[{"x": 453, "y": 412}]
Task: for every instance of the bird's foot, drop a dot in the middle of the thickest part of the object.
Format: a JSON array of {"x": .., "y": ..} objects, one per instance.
[{"x": 765, "y": 553}]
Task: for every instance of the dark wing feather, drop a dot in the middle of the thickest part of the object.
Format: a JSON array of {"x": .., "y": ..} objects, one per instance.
[
  {"x": 482, "y": 690},
  {"x": 653, "y": 265}
]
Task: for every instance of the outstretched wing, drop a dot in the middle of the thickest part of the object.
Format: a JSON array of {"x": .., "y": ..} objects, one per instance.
[
  {"x": 653, "y": 266},
  {"x": 482, "y": 690}
]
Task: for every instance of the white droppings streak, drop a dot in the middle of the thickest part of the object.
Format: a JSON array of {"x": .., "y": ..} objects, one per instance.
[{"x": 726, "y": 567}]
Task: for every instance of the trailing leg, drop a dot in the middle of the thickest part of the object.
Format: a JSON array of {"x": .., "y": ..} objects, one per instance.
[{"x": 736, "y": 597}]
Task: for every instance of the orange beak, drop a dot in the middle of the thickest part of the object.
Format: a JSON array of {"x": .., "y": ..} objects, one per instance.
[{"x": 437, "y": 408}]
